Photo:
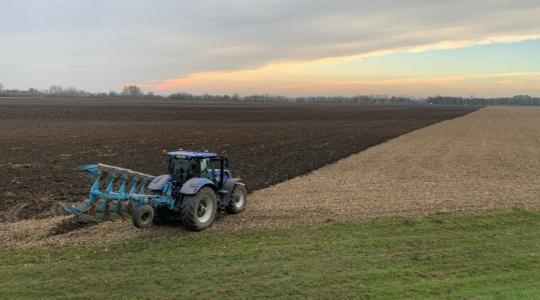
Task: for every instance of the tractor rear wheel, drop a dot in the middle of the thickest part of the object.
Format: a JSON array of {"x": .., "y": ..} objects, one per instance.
[
  {"x": 197, "y": 212},
  {"x": 142, "y": 216},
  {"x": 238, "y": 199}
]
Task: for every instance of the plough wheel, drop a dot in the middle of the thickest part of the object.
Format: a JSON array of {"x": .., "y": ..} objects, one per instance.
[
  {"x": 142, "y": 216},
  {"x": 198, "y": 211}
]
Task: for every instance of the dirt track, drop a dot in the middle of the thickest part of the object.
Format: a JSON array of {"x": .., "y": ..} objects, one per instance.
[{"x": 487, "y": 160}]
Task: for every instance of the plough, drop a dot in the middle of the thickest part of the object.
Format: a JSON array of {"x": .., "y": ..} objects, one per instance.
[{"x": 198, "y": 185}]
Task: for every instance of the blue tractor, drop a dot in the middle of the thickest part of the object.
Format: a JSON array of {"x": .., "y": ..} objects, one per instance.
[{"x": 198, "y": 186}]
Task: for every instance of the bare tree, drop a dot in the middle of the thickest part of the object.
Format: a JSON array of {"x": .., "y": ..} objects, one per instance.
[
  {"x": 1, "y": 87},
  {"x": 34, "y": 92},
  {"x": 55, "y": 90},
  {"x": 132, "y": 91}
]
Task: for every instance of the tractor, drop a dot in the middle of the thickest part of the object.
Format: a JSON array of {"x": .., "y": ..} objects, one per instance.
[{"x": 198, "y": 186}]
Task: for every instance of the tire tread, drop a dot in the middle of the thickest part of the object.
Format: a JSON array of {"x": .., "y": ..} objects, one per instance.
[{"x": 188, "y": 210}]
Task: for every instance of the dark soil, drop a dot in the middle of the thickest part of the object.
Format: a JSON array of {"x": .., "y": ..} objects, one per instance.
[{"x": 43, "y": 141}]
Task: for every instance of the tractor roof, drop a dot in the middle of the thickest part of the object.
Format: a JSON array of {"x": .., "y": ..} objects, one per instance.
[{"x": 191, "y": 154}]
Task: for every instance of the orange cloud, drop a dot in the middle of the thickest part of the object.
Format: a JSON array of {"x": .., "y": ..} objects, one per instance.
[
  {"x": 328, "y": 75},
  {"x": 158, "y": 85},
  {"x": 478, "y": 84},
  {"x": 467, "y": 43}
]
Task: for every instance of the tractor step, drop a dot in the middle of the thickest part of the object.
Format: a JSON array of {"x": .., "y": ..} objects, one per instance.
[{"x": 223, "y": 192}]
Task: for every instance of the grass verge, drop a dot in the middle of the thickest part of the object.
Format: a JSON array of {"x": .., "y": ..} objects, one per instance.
[{"x": 485, "y": 256}]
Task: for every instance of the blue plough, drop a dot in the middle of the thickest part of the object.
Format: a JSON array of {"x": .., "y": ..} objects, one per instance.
[{"x": 115, "y": 192}]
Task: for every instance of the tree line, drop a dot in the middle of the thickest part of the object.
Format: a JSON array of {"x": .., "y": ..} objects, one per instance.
[
  {"x": 277, "y": 98},
  {"x": 133, "y": 91},
  {"x": 521, "y": 100},
  {"x": 56, "y": 91}
]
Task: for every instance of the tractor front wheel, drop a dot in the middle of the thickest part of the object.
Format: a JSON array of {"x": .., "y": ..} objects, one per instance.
[
  {"x": 198, "y": 211},
  {"x": 142, "y": 216},
  {"x": 238, "y": 199}
]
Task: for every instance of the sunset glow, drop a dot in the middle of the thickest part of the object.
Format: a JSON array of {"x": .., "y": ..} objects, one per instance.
[{"x": 346, "y": 75}]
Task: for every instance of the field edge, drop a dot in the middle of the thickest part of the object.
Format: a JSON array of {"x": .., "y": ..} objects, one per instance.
[{"x": 450, "y": 254}]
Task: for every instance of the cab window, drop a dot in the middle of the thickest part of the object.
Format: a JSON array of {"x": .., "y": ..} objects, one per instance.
[{"x": 207, "y": 169}]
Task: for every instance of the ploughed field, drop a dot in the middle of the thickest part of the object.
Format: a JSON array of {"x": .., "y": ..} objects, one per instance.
[
  {"x": 486, "y": 161},
  {"x": 43, "y": 141}
]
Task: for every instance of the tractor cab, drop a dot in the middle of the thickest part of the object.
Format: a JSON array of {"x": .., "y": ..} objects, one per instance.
[{"x": 186, "y": 165}]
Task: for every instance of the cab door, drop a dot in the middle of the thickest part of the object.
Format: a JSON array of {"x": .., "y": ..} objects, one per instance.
[{"x": 207, "y": 169}]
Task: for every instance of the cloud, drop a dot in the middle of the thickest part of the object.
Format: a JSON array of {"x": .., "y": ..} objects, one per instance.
[
  {"x": 140, "y": 41},
  {"x": 295, "y": 77},
  {"x": 283, "y": 79}
]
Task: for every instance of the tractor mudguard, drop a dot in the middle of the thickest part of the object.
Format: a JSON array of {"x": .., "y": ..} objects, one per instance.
[
  {"x": 193, "y": 185},
  {"x": 229, "y": 184}
]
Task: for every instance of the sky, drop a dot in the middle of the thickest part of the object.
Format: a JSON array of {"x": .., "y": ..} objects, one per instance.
[{"x": 419, "y": 48}]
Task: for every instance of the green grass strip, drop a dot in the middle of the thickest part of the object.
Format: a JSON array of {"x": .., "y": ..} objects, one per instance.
[{"x": 458, "y": 256}]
